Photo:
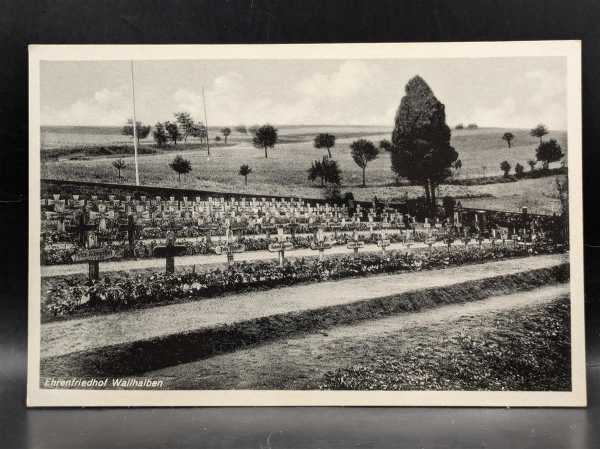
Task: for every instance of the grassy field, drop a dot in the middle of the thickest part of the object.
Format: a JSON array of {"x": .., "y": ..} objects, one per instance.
[
  {"x": 529, "y": 350},
  {"x": 284, "y": 172}
]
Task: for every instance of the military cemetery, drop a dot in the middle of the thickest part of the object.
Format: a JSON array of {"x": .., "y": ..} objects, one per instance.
[{"x": 296, "y": 257}]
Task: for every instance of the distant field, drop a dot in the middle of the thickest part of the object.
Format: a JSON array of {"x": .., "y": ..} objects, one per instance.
[
  {"x": 76, "y": 136},
  {"x": 284, "y": 172},
  {"x": 52, "y": 137}
]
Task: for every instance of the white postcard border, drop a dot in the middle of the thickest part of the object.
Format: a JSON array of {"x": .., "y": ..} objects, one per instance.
[{"x": 39, "y": 397}]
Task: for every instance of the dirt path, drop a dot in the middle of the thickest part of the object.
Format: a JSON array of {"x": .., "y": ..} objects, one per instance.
[
  {"x": 298, "y": 363},
  {"x": 64, "y": 337},
  {"x": 250, "y": 256}
]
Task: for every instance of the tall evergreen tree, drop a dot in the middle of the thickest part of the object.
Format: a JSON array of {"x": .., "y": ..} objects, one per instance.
[{"x": 421, "y": 139}]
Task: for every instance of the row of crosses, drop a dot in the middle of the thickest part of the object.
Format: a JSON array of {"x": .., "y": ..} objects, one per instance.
[
  {"x": 231, "y": 245},
  {"x": 170, "y": 250}
]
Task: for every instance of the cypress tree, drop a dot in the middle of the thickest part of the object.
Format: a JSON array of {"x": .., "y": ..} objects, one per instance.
[{"x": 421, "y": 150}]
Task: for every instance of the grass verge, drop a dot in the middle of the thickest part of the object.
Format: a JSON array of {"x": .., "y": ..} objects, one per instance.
[{"x": 525, "y": 351}]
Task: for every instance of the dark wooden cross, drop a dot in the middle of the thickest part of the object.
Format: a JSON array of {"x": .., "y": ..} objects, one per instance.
[
  {"x": 93, "y": 254},
  {"x": 449, "y": 240},
  {"x": 293, "y": 228},
  {"x": 83, "y": 227},
  {"x": 169, "y": 251},
  {"x": 131, "y": 233}
]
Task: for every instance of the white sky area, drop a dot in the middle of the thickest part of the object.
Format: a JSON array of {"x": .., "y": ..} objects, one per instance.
[{"x": 500, "y": 92}]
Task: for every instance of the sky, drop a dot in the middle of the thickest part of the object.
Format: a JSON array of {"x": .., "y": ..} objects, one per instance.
[{"x": 500, "y": 92}]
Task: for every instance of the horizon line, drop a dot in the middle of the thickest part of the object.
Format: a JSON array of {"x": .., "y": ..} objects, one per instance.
[{"x": 288, "y": 125}]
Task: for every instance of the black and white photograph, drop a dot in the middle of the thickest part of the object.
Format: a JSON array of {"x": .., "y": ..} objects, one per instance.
[{"x": 324, "y": 224}]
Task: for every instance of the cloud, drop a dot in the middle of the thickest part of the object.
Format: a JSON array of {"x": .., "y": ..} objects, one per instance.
[
  {"x": 350, "y": 79},
  {"x": 541, "y": 99},
  {"x": 346, "y": 92},
  {"x": 226, "y": 97},
  {"x": 106, "y": 107},
  {"x": 339, "y": 97}
]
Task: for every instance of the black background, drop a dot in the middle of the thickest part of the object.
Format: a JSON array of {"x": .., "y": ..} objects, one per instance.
[{"x": 256, "y": 21}]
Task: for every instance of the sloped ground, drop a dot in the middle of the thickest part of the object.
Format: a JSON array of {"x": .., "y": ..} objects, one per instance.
[
  {"x": 518, "y": 341},
  {"x": 520, "y": 350},
  {"x": 284, "y": 172},
  {"x": 187, "y": 336},
  {"x": 64, "y": 337}
]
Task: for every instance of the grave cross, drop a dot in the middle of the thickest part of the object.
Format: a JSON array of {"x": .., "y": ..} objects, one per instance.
[
  {"x": 103, "y": 215},
  {"x": 427, "y": 226},
  {"x": 280, "y": 246},
  {"x": 480, "y": 240},
  {"x": 383, "y": 242},
  {"x": 231, "y": 246},
  {"x": 83, "y": 227},
  {"x": 430, "y": 241},
  {"x": 93, "y": 254},
  {"x": 319, "y": 243},
  {"x": 61, "y": 217},
  {"x": 169, "y": 251},
  {"x": 131, "y": 233},
  {"x": 130, "y": 227},
  {"x": 355, "y": 244},
  {"x": 503, "y": 237},
  {"x": 449, "y": 240}
]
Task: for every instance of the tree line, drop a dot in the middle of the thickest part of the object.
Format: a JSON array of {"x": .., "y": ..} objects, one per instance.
[{"x": 176, "y": 131}]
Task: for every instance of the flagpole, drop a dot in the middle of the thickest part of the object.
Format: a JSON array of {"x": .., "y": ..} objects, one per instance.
[
  {"x": 206, "y": 123},
  {"x": 134, "y": 124}
]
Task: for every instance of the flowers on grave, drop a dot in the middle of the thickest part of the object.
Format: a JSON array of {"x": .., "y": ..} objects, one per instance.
[{"x": 68, "y": 297}]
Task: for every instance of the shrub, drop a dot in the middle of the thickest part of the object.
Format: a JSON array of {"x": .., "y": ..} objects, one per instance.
[
  {"x": 519, "y": 169},
  {"x": 180, "y": 166},
  {"x": 245, "y": 170},
  {"x": 449, "y": 204},
  {"x": 549, "y": 151},
  {"x": 505, "y": 167},
  {"x": 332, "y": 193}
]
